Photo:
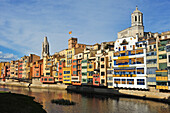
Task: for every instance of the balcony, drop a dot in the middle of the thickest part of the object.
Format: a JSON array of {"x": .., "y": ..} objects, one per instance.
[
  {"x": 162, "y": 60},
  {"x": 151, "y": 83},
  {"x": 151, "y": 57},
  {"x": 161, "y": 87},
  {"x": 124, "y": 75},
  {"x": 151, "y": 65},
  {"x": 160, "y": 78}
]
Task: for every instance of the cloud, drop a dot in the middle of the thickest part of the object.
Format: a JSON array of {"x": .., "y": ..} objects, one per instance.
[
  {"x": 6, "y": 57},
  {"x": 24, "y": 23}
]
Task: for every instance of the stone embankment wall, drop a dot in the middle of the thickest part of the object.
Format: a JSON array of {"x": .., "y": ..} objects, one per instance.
[
  {"x": 146, "y": 94},
  {"x": 24, "y": 84},
  {"x": 150, "y": 95}
]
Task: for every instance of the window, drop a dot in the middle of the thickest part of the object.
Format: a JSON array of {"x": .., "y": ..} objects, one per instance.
[
  {"x": 117, "y": 81},
  {"x": 109, "y": 78},
  {"x": 102, "y": 59},
  {"x": 56, "y": 74},
  {"x": 84, "y": 61},
  {"x": 110, "y": 58},
  {"x": 47, "y": 73},
  {"x": 150, "y": 47},
  {"x": 102, "y": 73},
  {"x": 110, "y": 65},
  {"x": 50, "y": 79},
  {"x": 102, "y": 66},
  {"x": 161, "y": 73},
  {"x": 164, "y": 56},
  {"x": 154, "y": 46},
  {"x": 102, "y": 81},
  {"x": 60, "y": 63},
  {"x": 110, "y": 84},
  {"x": 84, "y": 73},
  {"x": 74, "y": 72},
  {"x": 140, "y": 81},
  {"x": 151, "y": 70},
  {"x": 90, "y": 66},
  {"x": 47, "y": 69},
  {"x": 169, "y": 57},
  {"x": 139, "y": 18},
  {"x": 151, "y": 53},
  {"x": 74, "y": 61},
  {"x": 151, "y": 61},
  {"x": 66, "y": 72},
  {"x": 123, "y": 81},
  {"x": 84, "y": 80},
  {"x": 91, "y": 73},
  {"x": 140, "y": 70},
  {"x": 84, "y": 67},
  {"x": 130, "y": 81},
  {"x": 60, "y": 68},
  {"x": 74, "y": 66},
  {"x": 49, "y": 64},
  {"x": 135, "y": 18},
  {"x": 60, "y": 73},
  {"x": 161, "y": 83},
  {"x": 151, "y": 79},
  {"x": 168, "y": 48},
  {"x": 163, "y": 65}
]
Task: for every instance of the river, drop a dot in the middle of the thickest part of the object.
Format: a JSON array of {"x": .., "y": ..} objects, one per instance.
[{"x": 88, "y": 103}]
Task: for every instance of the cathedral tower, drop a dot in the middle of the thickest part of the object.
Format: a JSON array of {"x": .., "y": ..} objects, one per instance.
[
  {"x": 136, "y": 28},
  {"x": 136, "y": 18},
  {"x": 45, "y": 48}
]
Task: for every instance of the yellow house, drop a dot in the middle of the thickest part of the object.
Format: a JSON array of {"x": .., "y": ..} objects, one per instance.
[
  {"x": 90, "y": 69},
  {"x": 67, "y": 75}
]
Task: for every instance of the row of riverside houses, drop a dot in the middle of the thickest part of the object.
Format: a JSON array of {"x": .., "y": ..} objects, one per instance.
[{"x": 137, "y": 59}]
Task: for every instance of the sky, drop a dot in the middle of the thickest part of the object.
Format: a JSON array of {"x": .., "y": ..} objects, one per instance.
[{"x": 25, "y": 23}]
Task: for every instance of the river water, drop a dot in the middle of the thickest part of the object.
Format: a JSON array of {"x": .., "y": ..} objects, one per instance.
[{"x": 88, "y": 103}]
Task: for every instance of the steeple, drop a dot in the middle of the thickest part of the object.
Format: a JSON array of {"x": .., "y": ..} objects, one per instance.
[
  {"x": 45, "y": 48},
  {"x": 137, "y": 18}
]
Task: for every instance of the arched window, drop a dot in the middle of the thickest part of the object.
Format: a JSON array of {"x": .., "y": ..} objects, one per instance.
[
  {"x": 139, "y": 18},
  {"x": 135, "y": 18}
]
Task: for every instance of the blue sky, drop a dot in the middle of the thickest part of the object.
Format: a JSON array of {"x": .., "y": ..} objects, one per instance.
[{"x": 24, "y": 23}]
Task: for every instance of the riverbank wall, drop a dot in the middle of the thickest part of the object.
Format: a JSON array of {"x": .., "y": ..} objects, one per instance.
[
  {"x": 46, "y": 86},
  {"x": 148, "y": 95}
]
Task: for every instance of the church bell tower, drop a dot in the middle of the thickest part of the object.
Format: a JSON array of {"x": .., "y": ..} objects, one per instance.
[
  {"x": 137, "y": 18},
  {"x": 45, "y": 48}
]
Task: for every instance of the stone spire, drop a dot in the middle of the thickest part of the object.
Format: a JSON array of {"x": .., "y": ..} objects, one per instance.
[{"x": 45, "y": 48}]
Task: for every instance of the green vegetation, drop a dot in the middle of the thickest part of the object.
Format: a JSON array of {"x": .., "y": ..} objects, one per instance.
[
  {"x": 18, "y": 103},
  {"x": 63, "y": 102},
  {"x": 3, "y": 92}
]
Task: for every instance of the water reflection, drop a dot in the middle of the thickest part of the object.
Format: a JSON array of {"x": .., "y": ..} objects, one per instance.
[{"x": 89, "y": 103}]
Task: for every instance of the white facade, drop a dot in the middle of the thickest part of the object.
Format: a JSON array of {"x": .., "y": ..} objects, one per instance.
[
  {"x": 129, "y": 63},
  {"x": 130, "y": 40}
]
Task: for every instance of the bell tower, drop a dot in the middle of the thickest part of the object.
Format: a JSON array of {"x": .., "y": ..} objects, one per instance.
[
  {"x": 137, "y": 18},
  {"x": 45, "y": 48}
]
